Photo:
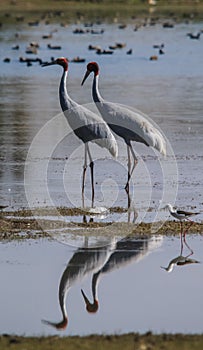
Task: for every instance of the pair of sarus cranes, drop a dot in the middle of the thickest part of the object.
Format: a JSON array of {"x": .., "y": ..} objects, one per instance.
[
  {"x": 128, "y": 124},
  {"x": 88, "y": 126}
]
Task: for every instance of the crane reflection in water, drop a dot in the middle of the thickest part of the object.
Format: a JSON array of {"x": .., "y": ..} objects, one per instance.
[
  {"x": 83, "y": 262},
  {"x": 128, "y": 250},
  {"x": 102, "y": 212},
  {"x": 96, "y": 262}
]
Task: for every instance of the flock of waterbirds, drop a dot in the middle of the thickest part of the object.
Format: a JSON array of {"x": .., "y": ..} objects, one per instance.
[{"x": 32, "y": 50}]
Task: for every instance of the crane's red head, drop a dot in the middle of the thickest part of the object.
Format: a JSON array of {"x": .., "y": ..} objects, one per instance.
[
  {"x": 61, "y": 61},
  {"x": 60, "y": 325},
  {"x": 90, "y": 307},
  {"x": 91, "y": 67}
]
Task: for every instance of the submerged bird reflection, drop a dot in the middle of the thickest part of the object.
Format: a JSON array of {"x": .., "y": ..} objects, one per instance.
[
  {"x": 102, "y": 212},
  {"x": 128, "y": 250},
  {"x": 98, "y": 261},
  {"x": 83, "y": 262}
]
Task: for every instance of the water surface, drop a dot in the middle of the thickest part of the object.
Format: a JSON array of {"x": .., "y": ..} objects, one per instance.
[
  {"x": 168, "y": 90},
  {"x": 134, "y": 293}
]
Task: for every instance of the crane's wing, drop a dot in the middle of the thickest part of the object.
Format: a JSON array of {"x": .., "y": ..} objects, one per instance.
[
  {"x": 88, "y": 126},
  {"x": 131, "y": 125}
]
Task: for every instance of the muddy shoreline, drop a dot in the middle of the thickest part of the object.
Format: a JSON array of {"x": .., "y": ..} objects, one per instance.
[{"x": 37, "y": 223}]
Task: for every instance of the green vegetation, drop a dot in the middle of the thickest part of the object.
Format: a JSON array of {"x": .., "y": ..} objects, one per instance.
[
  {"x": 111, "y": 342},
  {"x": 67, "y": 11}
]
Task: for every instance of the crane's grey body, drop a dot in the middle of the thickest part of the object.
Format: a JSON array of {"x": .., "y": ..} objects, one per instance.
[
  {"x": 128, "y": 124},
  {"x": 87, "y": 125}
]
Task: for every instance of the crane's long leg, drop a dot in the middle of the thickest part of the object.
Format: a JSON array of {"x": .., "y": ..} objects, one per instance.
[
  {"x": 135, "y": 161},
  {"x": 84, "y": 173},
  {"x": 129, "y": 170},
  {"x": 181, "y": 237},
  {"x": 92, "y": 173}
]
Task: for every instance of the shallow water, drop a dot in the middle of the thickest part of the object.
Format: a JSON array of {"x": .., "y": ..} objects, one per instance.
[
  {"x": 168, "y": 90},
  {"x": 133, "y": 292}
]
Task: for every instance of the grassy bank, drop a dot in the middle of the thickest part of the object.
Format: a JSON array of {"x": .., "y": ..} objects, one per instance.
[
  {"x": 68, "y": 11},
  {"x": 130, "y": 341}
]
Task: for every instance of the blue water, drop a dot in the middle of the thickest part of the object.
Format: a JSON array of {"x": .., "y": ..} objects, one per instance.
[
  {"x": 168, "y": 90},
  {"x": 133, "y": 291}
]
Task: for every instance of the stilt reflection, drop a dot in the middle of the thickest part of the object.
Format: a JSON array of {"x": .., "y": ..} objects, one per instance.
[{"x": 181, "y": 260}]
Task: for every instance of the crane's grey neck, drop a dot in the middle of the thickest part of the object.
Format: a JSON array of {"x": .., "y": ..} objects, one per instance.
[
  {"x": 95, "y": 89},
  {"x": 65, "y": 100},
  {"x": 94, "y": 284},
  {"x": 62, "y": 301}
]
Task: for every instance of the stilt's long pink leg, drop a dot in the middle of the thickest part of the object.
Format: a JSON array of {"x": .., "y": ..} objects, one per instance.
[{"x": 184, "y": 236}]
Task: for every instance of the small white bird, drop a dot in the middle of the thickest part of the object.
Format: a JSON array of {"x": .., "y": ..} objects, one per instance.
[{"x": 181, "y": 215}]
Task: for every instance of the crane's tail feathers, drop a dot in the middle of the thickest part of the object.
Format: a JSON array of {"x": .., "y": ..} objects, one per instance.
[
  {"x": 109, "y": 143},
  {"x": 159, "y": 143},
  {"x": 161, "y": 147},
  {"x": 114, "y": 149}
]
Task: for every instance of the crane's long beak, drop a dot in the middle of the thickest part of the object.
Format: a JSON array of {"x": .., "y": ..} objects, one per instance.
[
  {"x": 48, "y": 63},
  {"x": 85, "y": 298},
  {"x": 92, "y": 308},
  {"x": 85, "y": 76},
  {"x": 60, "y": 325}
]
